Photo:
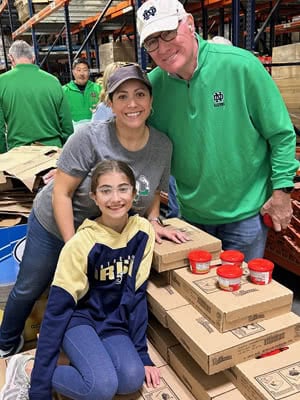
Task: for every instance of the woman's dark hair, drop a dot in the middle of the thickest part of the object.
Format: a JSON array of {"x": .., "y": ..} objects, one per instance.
[{"x": 106, "y": 166}]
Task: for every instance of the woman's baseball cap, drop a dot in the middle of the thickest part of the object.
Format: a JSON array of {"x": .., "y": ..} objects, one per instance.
[
  {"x": 157, "y": 16},
  {"x": 123, "y": 74}
]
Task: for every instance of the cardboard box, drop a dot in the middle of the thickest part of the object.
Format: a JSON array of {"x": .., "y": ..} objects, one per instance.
[
  {"x": 215, "y": 351},
  {"x": 169, "y": 255},
  {"x": 272, "y": 378},
  {"x": 287, "y": 78},
  {"x": 26, "y": 163},
  {"x": 233, "y": 395},
  {"x": 286, "y": 53},
  {"x": 201, "y": 385},
  {"x": 170, "y": 388},
  {"x": 21, "y": 175},
  {"x": 162, "y": 298},
  {"x": 157, "y": 359},
  {"x": 12, "y": 242},
  {"x": 230, "y": 310},
  {"x": 116, "y": 51},
  {"x": 33, "y": 322},
  {"x": 161, "y": 337}
]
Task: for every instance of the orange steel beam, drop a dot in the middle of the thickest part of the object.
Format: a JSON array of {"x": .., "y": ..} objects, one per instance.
[
  {"x": 3, "y": 5},
  {"x": 48, "y": 10},
  {"x": 111, "y": 13},
  {"x": 293, "y": 26}
]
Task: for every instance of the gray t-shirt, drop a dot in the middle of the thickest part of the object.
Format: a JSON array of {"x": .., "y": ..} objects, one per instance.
[{"x": 97, "y": 141}]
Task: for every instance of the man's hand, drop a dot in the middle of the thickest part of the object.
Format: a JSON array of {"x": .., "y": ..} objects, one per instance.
[
  {"x": 279, "y": 207},
  {"x": 152, "y": 376}
]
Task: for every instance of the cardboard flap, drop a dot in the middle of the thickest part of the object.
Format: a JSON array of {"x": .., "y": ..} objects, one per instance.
[{"x": 26, "y": 162}]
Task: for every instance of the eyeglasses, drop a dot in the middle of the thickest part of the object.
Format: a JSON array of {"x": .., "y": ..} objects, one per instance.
[
  {"x": 152, "y": 43},
  {"x": 107, "y": 191}
]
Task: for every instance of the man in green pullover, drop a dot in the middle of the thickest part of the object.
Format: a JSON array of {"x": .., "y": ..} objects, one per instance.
[
  {"x": 33, "y": 107},
  {"x": 233, "y": 141},
  {"x": 82, "y": 94}
]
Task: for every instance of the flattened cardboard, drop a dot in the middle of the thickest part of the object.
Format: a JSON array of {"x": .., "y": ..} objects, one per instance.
[
  {"x": 161, "y": 337},
  {"x": 170, "y": 388},
  {"x": 169, "y": 255},
  {"x": 231, "y": 310},
  {"x": 215, "y": 351},
  {"x": 162, "y": 298},
  {"x": 201, "y": 385},
  {"x": 275, "y": 377},
  {"x": 26, "y": 162}
]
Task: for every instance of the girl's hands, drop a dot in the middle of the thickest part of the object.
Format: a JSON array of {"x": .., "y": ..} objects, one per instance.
[{"x": 152, "y": 376}]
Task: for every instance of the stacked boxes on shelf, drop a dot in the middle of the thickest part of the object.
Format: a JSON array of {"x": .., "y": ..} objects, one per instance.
[
  {"x": 23, "y": 9},
  {"x": 116, "y": 51},
  {"x": 287, "y": 78}
]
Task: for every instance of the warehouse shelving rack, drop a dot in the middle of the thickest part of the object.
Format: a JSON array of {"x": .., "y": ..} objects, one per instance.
[{"x": 117, "y": 18}]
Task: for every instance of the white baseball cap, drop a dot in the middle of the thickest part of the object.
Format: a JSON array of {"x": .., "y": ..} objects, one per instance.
[{"x": 157, "y": 16}]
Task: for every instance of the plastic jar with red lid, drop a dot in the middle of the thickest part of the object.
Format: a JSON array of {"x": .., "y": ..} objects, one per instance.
[
  {"x": 229, "y": 277},
  {"x": 199, "y": 261},
  {"x": 232, "y": 257},
  {"x": 260, "y": 270}
]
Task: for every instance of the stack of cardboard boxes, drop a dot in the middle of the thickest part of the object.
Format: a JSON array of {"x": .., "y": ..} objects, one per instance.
[
  {"x": 287, "y": 77},
  {"x": 23, "y": 8},
  {"x": 221, "y": 335},
  {"x": 211, "y": 344}
]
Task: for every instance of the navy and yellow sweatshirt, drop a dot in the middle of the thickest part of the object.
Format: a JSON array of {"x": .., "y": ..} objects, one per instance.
[{"x": 100, "y": 281}]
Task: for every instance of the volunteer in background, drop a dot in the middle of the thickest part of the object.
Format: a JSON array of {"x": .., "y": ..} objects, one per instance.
[
  {"x": 61, "y": 206},
  {"x": 82, "y": 94},
  {"x": 33, "y": 107},
  {"x": 233, "y": 141}
]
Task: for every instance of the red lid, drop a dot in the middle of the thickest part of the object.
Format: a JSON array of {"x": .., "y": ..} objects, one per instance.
[
  {"x": 199, "y": 256},
  {"x": 232, "y": 256},
  {"x": 260, "y": 265},
  {"x": 230, "y": 271}
]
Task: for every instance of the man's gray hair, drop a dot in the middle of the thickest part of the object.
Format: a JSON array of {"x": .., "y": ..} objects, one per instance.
[{"x": 21, "y": 49}]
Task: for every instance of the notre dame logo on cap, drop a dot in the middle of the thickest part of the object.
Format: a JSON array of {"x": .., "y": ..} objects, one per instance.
[{"x": 149, "y": 13}]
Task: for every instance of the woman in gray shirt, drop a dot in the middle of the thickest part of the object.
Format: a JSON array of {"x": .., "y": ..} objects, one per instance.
[{"x": 63, "y": 204}]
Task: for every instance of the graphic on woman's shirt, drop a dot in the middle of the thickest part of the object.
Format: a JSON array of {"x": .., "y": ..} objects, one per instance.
[{"x": 142, "y": 190}]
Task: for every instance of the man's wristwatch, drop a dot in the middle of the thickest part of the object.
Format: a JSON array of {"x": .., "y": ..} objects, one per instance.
[{"x": 288, "y": 189}]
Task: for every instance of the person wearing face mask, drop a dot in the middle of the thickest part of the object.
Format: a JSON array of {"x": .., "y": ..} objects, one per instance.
[
  {"x": 82, "y": 93},
  {"x": 233, "y": 141}
]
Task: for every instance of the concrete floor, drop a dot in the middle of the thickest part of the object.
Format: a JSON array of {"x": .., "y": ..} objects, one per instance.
[{"x": 292, "y": 281}]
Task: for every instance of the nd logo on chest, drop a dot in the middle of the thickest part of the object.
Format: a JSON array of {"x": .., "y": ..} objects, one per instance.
[{"x": 115, "y": 270}]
